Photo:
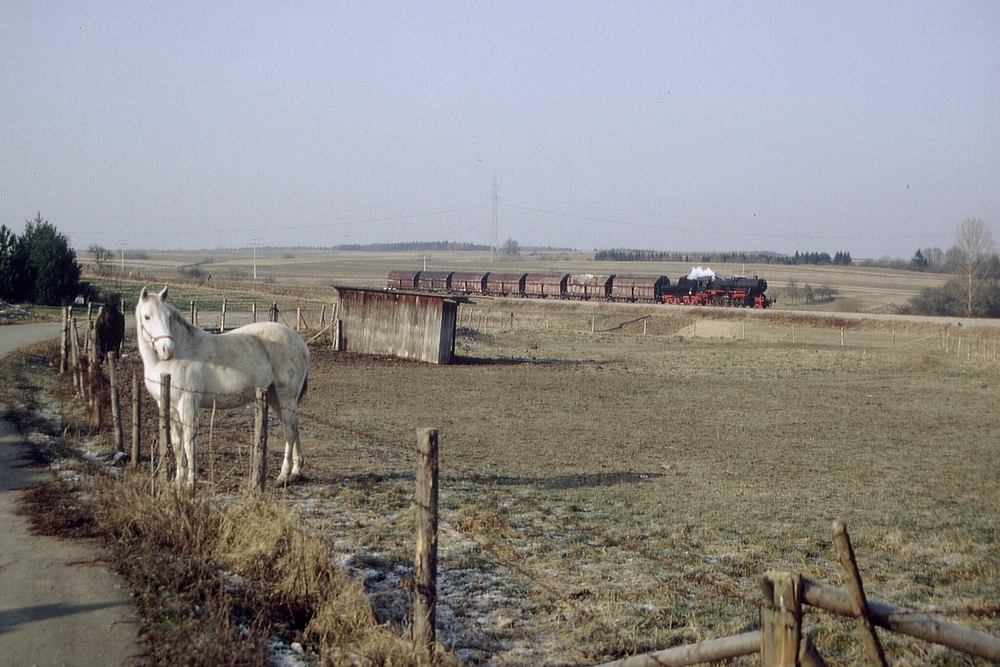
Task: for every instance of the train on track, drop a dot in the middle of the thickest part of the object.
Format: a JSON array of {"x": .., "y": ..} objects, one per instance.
[{"x": 700, "y": 288}]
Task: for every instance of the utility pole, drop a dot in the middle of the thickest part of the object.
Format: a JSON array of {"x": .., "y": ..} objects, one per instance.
[{"x": 495, "y": 221}]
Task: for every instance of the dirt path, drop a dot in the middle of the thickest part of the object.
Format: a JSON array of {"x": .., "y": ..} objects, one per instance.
[{"x": 58, "y": 603}]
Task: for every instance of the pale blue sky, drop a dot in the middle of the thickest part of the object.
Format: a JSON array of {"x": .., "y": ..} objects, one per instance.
[{"x": 867, "y": 127}]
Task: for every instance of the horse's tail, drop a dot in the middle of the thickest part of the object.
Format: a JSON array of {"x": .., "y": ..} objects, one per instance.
[{"x": 305, "y": 385}]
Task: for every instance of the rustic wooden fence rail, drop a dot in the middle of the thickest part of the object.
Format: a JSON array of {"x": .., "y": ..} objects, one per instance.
[{"x": 780, "y": 640}]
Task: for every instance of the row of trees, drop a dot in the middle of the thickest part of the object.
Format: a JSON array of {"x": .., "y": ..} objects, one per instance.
[
  {"x": 39, "y": 266},
  {"x": 630, "y": 255},
  {"x": 818, "y": 258}
]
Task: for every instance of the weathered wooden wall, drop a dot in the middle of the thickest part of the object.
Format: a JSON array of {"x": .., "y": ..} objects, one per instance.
[{"x": 411, "y": 326}]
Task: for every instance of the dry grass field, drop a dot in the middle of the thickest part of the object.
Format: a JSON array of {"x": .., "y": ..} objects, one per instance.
[
  {"x": 611, "y": 493},
  {"x": 615, "y": 478},
  {"x": 302, "y": 270}
]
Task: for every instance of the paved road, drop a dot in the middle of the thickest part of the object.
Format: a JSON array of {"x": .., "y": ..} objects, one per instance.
[{"x": 59, "y": 605}]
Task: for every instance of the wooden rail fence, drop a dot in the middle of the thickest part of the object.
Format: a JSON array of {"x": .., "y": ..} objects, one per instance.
[{"x": 780, "y": 641}]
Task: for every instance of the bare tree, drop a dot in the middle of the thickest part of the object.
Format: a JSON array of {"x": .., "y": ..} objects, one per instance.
[
  {"x": 101, "y": 256},
  {"x": 935, "y": 258},
  {"x": 511, "y": 248},
  {"x": 972, "y": 256}
]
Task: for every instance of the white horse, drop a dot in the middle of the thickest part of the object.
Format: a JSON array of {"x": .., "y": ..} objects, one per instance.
[{"x": 222, "y": 370}]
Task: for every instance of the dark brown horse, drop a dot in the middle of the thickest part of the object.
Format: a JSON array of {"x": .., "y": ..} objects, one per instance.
[{"x": 109, "y": 330}]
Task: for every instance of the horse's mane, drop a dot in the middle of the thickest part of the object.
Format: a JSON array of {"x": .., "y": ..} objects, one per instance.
[{"x": 179, "y": 317}]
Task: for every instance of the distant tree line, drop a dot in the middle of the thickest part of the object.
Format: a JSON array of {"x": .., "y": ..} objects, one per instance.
[
  {"x": 627, "y": 255},
  {"x": 630, "y": 255},
  {"x": 816, "y": 258},
  {"x": 415, "y": 246},
  {"x": 39, "y": 266}
]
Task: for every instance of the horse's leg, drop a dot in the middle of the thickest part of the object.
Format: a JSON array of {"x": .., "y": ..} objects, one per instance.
[
  {"x": 187, "y": 445},
  {"x": 291, "y": 466},
  {"x": 191, "y": 444},
  {"x": 177, "y": 443}
]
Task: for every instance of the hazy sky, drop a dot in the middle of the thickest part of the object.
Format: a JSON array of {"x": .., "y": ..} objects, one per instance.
[{"x": 867, "y": 127}]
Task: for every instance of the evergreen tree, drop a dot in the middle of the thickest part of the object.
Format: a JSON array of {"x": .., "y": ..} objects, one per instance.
[
  {"x": 39, "y": 266},
  {"x": 14, "y": 281}
]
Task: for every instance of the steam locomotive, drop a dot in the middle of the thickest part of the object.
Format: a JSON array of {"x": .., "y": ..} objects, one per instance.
[{"x": 700, "y": 288}]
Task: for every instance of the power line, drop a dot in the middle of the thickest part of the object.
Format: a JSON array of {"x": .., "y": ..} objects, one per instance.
[{"x": 495, "y": 219}]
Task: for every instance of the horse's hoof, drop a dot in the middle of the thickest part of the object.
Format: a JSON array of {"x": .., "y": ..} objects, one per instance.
[{"x": 293, "y": 478}]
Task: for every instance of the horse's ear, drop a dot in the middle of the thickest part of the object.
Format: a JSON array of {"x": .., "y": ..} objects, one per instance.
[
  {"x": 144, "y": 294},
  {"x": 163, "y": 294}
]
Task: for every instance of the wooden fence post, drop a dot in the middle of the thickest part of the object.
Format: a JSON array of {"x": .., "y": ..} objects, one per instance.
[
  {"x": 161, "y": 464},
  {"x": 780, "y": 619},
  {"x": 74, "y": 347},
  {"x": 338, "y": 336},
  {"x": 64, "y": 348},
  {"x": 845, "y": 553},
  {"x": 253, "y": 311},
  {"x": 222, "y": 323},
  {"x": 90, "y": 386},
  {"x": 425, "y": 568},
  {"x": 192, "y": 318},
  {"x": 136, "y": 411},
  {"x": 258, "y": 453},
  {"x": 116, "y": 411}
]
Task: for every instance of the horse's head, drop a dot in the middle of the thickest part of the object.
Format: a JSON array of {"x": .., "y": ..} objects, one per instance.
[{"x": 152, "y": 317}]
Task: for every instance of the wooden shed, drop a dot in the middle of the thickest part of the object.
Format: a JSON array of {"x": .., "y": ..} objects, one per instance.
[{"x": 400, "y": 324}]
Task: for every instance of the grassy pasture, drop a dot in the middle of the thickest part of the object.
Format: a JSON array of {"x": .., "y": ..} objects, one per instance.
[
  {"x": 606, "y": 491},
  {"x": 625, "y": 491}
]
